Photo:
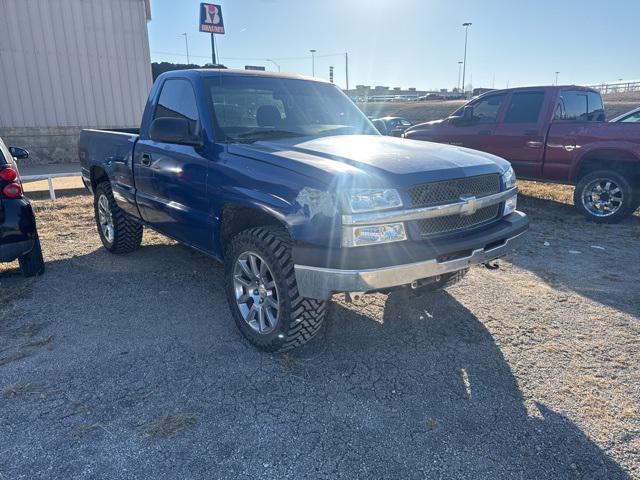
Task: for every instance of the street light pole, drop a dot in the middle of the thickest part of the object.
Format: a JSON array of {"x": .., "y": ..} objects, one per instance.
[
  {"x": 276, "y": 64},
  {"x": 557, "y": 73},
  {"x": 466, "y": 26},
  {"x": 313, "y": 62},
  {"x": 346, "y": 68},
  {"x": 186, "y": 43},
  {"x": 459, "y": 72}
]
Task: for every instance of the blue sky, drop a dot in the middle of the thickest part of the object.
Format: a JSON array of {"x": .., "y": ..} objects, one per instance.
[{"x": 415, "y": 43}]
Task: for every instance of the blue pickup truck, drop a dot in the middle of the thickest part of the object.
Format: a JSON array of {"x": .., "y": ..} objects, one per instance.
[{"x": 283, "y": 179}]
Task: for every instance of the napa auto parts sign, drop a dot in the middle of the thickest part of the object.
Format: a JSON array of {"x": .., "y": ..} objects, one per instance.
[{"x": 211, "y": 18}]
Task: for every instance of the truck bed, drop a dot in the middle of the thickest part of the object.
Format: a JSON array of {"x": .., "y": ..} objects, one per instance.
[{"x": 112, "y": 152}]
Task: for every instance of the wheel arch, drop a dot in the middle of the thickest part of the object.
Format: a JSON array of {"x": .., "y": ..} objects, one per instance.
[
  {"x": 236, "y": 217},
  {"x": 97, "y": 175},
  {"x": 618, "y": 160}
]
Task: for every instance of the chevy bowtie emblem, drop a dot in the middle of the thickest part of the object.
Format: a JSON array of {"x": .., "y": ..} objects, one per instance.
[{"x": 469, "y": 205}]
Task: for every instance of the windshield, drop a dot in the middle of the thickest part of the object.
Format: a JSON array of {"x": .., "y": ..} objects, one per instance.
[{"x": 251, "y": 108}]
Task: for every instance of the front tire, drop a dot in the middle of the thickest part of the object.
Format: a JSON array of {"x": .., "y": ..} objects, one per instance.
[
  {"x": 119, "y": 233},
  {"x": 604, "y": 196},
  {"x": 262, "y": 291},
  {"x": 32, "y": 263}
]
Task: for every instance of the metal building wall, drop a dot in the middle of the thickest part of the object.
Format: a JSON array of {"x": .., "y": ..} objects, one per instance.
[{"x": 73, "y": 63}]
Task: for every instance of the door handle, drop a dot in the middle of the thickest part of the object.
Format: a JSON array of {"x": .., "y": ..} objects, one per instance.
[
  {"x": 534, "y": 144},
  {"x": 146, "y": 160},
  {"x": 484, "y": 132},
  {"x": 531, "y": 133}
]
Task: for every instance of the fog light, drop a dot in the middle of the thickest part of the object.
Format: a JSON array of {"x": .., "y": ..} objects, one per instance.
[
  {"x": 373, "y": 234},
  {"x": 510, "y": 205}
]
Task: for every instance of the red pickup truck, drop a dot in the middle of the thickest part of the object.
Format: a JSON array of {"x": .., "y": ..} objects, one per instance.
[{"x": 556, "y": 134}]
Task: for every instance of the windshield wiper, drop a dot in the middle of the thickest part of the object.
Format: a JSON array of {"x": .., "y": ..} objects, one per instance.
[{"x": 255, "y": 135}]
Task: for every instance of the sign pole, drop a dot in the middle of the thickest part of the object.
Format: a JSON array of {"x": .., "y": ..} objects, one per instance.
[{"x": 213, "y": 49}]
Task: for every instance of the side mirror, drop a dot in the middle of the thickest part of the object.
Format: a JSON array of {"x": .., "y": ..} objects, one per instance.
[
  {"x": 18, "y": 153},
  {"x": 467, "y": 113},
  {"x": 465, "y": 119},
  {"x": 173, "y": 130}
]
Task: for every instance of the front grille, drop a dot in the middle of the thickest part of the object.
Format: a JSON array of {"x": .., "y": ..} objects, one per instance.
[
  {"x": 449, "y": 191},
  {"x": 432, "y": 226}
]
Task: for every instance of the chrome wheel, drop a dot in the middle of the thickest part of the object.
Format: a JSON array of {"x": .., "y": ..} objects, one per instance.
[
  {"x": 105, "y": 218},
  {"x": 602, "y": 197},
  {"x": 256, "y": 292}
]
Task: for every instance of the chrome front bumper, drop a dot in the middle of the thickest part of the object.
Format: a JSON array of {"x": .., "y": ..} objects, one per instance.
[{"x": 320, "y": 283}]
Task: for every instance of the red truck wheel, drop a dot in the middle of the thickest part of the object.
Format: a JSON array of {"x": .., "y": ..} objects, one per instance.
[{"x": 604, "y": 196}]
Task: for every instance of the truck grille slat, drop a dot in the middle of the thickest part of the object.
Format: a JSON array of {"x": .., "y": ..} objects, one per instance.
[
  {"x": 449, "y": 191},
  {"x": 450, "y": 223}
]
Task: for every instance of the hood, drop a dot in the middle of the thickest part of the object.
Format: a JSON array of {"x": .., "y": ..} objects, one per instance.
[{"x": 372, "y": 160}]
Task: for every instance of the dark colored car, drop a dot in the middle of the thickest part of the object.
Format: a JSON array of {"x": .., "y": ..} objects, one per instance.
[
  {"x": 632, "y": 116},
  {"x": 286, "y": 181},
  {"x": 18, "y": 234},
  {"x": 556, "y": 134},
  {"x": 391, "y": 126}
]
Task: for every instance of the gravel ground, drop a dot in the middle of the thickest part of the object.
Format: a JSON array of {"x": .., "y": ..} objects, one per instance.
[{"x": 131, "y": 367}]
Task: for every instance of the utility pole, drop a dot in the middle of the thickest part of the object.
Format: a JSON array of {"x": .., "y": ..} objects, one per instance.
[
  {"x": 466, "y": 26},
  {"x": 346, "y": 68},
  {"x": 313, "y": 62},
  {"x": 275, "y": 63},
  {"x": 459, "y": 72},
  {"x": 557, "y": 73},
  {"x": 186, "y": 43}
]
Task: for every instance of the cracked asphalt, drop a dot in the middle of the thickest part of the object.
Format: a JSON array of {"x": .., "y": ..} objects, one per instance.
[{"x": 130, "y": 367}]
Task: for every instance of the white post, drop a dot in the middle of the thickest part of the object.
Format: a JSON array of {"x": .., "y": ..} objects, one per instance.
[{"x": 52, "y": 192}]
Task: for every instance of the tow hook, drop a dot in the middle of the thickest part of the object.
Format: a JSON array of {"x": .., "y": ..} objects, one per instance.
[
  {"x": 350, "y": 297},
  {"x": 491, "y": 266}
]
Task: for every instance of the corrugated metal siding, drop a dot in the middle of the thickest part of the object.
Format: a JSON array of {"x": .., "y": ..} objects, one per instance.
[{"x": 73, "y": 63}]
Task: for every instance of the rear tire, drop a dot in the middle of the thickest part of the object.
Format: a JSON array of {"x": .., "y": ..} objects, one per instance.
[
  {"x": 604, "y": 196},
  {"x": 119, "y": 233},
  {"x": 32, "y": 263},
  {"x": 297, "y": 319}
]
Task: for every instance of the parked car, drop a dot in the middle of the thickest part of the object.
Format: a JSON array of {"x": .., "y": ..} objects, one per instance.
[
  {"x": 430, "y": 97},
  {"x": 297, "y": 194},
  {"x": 555, "y": 134},
  {"x": 392, "y": 126},
  {"x": 632, "y": 116},
  {"x": 18, "y": 233}
]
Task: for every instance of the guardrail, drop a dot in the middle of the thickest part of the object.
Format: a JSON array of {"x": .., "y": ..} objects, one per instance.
[
  {"x": 49, "y": 177},
  {"x": 616, "y": 87}
]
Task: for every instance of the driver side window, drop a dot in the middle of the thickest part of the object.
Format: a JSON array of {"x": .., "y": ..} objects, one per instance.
[{"x": 486, "y": 109}]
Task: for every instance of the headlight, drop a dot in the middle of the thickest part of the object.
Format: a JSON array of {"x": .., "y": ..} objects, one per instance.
[
  {"x": 509, "y": 179},
  {"x": 373, "y": 234},
  {"x": 366, "y": 200}
]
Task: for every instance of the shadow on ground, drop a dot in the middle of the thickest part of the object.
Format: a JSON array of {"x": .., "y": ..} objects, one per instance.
[
  {"x": 597, "y": 261},
  {"x": 393, "y": 387}
]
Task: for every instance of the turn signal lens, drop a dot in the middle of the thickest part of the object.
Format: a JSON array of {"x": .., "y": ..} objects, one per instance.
[
  {"x": 8, "y": 174},
  {"x": 13, "y": 190}
]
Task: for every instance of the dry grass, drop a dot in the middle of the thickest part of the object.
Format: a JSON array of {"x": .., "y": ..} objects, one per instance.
[
  {"x": 13, "y": 357},
  {"x": 84, "y": 429},
  {"x": 14, "y": 390},
  {"x": 168, "y": 425},
  {"x": 601, "y": 399}
]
